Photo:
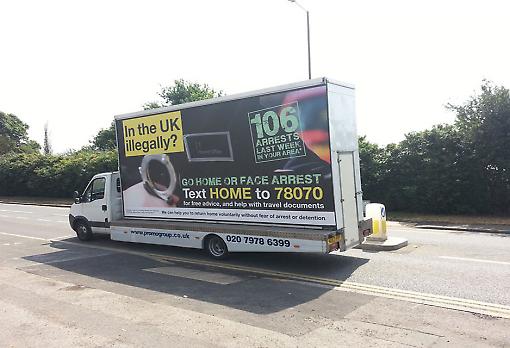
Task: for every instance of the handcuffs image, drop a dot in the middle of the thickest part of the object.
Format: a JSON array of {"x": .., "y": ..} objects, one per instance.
[{"x": 158, "y": 174}]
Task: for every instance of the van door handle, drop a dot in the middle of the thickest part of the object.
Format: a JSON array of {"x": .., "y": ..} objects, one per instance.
[{"x": 103, "y": 207}]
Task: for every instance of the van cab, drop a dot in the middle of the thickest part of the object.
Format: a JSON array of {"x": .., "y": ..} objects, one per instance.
[{"x": 98, "y": 205}]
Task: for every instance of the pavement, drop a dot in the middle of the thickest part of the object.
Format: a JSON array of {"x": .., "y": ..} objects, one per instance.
[{"x": 446, "y": 288}]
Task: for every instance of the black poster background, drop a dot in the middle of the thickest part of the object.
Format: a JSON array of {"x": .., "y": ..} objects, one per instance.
[{"x": 232, "y": 117}]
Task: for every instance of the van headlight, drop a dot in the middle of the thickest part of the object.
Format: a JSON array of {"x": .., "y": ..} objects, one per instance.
[{"x": 158, "y": 176}]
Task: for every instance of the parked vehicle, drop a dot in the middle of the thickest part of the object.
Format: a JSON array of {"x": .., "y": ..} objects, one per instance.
[{"x": 275, "y": 170}]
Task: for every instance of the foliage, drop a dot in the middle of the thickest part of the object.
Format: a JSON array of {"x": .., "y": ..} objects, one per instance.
[
  {"x": 484, "y": 120},
  {"x": 52, "y": 175},
  {"x": 371, "y": 163},
  {"x": 13, "y": 135},
  {"x": 46, "y": 145},
  {"x": 183, "y": 92},
  {"x": 29, "y": 173},
  {"x": 152, "y": 105},
  {"x": 463, "y": 168},
  {"x": 459, "y": 168},
  {"x": 105, "y": 139}
]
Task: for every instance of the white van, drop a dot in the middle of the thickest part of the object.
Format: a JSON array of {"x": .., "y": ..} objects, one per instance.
[{"x": 275, "y": 170}]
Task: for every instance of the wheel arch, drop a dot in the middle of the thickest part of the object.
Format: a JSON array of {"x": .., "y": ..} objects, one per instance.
[
  {"x": 217, "y": 249},
  {"x": 207, "y": 237},
  {"x": 79, "y": 219}
]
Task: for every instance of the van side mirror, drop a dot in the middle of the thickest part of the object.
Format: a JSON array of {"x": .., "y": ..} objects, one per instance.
[{"x": 76, "y": 196}]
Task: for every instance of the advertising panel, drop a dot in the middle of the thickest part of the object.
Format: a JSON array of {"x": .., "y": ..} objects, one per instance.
[{"x": 260, "y": 159}]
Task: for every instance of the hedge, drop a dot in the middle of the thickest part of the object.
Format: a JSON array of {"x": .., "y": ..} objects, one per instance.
[{"x": 40, "y": 175}]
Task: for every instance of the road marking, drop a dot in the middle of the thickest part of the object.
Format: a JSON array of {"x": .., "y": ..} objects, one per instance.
[
  {"x": 474, "y": 260},
  {"x": 23, "y": 236},
  {"x": 45, "y": 220},
  {"x": 21, "y": 217},
  {"x": 461, "y": 304},
  {"x": 403, "y": 295},
  {"x": 56, "y": 239},
  {"x": 16, "y": 211},
  {"x": 467, "y": 305},
  {"x": 183, "y": 272}
]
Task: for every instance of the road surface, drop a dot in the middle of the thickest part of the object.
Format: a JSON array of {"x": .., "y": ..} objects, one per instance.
[{"x": 444, "y": 288}]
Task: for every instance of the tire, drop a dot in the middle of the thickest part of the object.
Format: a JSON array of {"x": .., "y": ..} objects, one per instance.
[
  {"x": 83, "y": 231},
  {"x": 216, "y": 247}
]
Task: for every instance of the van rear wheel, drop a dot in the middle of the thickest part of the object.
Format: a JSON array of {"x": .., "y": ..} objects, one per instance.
[
  {"x": 83, "y": 231},
  {"x": 216, "y": 247}
]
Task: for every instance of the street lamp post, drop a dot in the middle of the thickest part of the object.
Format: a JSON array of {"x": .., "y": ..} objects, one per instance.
[{"x": 308, "y": 36}]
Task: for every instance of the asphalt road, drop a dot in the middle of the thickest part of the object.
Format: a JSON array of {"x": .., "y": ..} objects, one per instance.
[{"x": 400, "y": 298}]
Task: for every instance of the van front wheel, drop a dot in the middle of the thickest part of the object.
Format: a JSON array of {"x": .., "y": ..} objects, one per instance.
[
  {"x": 83, "y": 231},
  {"x": 216, "y": 247}
]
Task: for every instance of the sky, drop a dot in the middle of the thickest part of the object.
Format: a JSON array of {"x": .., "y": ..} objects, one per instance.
[{"x": 74, "y": 65}]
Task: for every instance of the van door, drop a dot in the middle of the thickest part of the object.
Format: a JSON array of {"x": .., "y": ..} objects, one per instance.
[
  {"x": 346, "y": 161},
  {"x": 94, "y": 206}
]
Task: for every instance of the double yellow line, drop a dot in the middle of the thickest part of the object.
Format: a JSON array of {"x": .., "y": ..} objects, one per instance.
[
  {"x": 460, "y": 304},
  {"x": 495, "y": 310}
]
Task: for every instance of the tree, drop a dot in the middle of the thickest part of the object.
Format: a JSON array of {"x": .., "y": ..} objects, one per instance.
[
  {"x": 152, "y": 105},
  {"x": 47, "y": 144},
  {"x": 484, "y": 122},
  {"x": 183, "y": 92},
  {"x": 459, "y": 168},
  {"x": 105, "y": 139},
  {"x": 429, "y": 171},
  {"x": 371, "y": 161},
  {"x": 13, "y": 135}
]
